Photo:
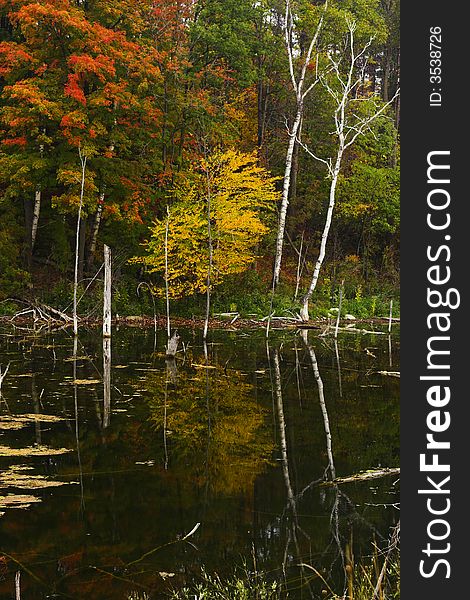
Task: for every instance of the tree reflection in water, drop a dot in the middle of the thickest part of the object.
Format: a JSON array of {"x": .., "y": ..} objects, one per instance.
[
  {"x": 215, "y": 431},
  {"x": 342, "y": 511},
  {"x": 250, "y": 452}
]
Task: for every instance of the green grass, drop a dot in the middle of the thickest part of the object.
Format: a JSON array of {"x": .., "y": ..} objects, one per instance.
[{"x": 243, "y": 585}]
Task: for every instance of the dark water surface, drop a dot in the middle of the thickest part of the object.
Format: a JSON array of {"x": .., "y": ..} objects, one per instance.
[{"x": 235, "y": 442}]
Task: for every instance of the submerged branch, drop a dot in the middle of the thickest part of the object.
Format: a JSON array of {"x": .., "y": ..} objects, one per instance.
[{"x": 362, "y": 476}]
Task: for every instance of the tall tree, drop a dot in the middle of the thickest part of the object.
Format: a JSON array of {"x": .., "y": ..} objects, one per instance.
[
  {"x": 354, "y": 111},
  {"x": 302, "y": 87}
]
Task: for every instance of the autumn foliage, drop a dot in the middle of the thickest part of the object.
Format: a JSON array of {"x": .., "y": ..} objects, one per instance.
[
  {"x": 242, "y": 199},
  {"x": 164, "y": 97}
]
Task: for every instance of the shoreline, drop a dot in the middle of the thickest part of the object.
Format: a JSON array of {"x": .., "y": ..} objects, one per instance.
[{"x": 144, "y": 321}]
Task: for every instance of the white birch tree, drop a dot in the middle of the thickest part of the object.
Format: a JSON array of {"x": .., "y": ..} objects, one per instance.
[
  {"x": 36, "y": 207},
  {"x": 344, "y": 89},
  {"x": 301, "y": 90},
  {"x": 36, "y": 213},
  {"x": 83, "y": 161},
  {"x": 95, "y": 228}
]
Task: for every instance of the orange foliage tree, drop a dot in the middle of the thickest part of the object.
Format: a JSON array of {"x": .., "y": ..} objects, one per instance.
[{"x": 71, "y": 81}]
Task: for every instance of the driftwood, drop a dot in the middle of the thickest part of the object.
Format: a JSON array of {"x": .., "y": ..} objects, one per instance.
[
  {"x": 173, "y": 342},
  {"x": 389, "y": 373},
  {"x": 42, "y": 312},
  {"x": 363, "y": 476},
  {"x": 54, "y": 312}
]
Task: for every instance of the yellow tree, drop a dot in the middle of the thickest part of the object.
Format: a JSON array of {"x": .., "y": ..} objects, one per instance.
[{"x": 242, "y": 198}]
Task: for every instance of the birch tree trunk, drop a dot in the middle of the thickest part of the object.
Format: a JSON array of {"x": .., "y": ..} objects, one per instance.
[
  {"x": 348, "y": 127},
  {"x": 81, "y": 248},
  {"x": 285, "y": 195},
  {"x": 37, "y": 206},
  {"x": 35, "y": 220},
  {"x": 298, "y": 275},
  {"x": 94, "y": 230},
  {"x": 304, "y": 314},
  {"x": 301, "y": 93},
  {"x": 83, "y": 160}
]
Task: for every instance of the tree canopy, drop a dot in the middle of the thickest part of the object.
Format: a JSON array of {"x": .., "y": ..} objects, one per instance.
[{"x": 177, "y": 101}]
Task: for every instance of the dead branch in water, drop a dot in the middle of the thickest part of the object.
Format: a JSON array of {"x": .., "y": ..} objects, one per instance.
[
  {"x": 389, "y": 373},
  {"x": 41, "y": 313},
  {"x": 363, "y": 476}
]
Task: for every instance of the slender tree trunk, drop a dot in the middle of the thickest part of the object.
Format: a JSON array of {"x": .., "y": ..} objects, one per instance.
[
  {"x": 94, "y": 231},
  {"x": 300, "y": 95},
  {"x": 324, "y": 238},
  {"x": 387, "y": 69},
  {"x": 83, "y": 160},
  {"x": 35, "y": 219},
  {"x": 81, "y": 249},
  {"x": 285, "y": 194},
  {"x": 394, "y": 157},
  {"x": 348, "y": 128},
  {"x": 295, "y": 169},
  {"x": 37, "y": 206},
  {"x": 298, "y": 275}
]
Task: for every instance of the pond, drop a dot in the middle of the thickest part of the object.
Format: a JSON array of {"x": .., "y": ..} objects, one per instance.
[{"x": 102, "y": 481}]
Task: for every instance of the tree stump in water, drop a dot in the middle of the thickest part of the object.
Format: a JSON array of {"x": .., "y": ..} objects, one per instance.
[
  {"x": 173, "y": 343},
  {"x": 171, "y": 369}
]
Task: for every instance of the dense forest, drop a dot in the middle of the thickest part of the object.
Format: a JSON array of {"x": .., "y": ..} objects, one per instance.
[{"x": 238, "y": 146}]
